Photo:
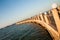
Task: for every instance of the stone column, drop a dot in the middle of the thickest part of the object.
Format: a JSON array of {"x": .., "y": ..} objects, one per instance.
[
  {"x": 46, "y": 19},
  {"x": 56, "y": 18},
  {"x": 41, "y": 16}
]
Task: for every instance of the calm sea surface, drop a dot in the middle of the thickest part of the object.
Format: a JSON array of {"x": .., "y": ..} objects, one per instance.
[{"x": 28, "y": 31}]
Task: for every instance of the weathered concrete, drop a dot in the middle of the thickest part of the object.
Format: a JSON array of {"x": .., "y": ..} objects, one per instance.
[{"x": 45, "y": 22}]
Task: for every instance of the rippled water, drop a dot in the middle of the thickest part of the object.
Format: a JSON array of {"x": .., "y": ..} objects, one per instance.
[{"x": 28, "y": 31}]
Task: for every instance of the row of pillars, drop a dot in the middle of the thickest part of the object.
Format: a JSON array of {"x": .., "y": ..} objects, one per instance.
[
  {"x": 55, "y": 13},
  {"x": 57, "y": 19},
  {"x": 43, "y": 17}
]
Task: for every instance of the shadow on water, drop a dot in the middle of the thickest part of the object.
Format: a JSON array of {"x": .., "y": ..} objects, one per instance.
[{"x": 28, "y": 31}]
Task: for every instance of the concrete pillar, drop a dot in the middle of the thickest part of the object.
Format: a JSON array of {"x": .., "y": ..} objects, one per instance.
[
  {"x": 46, "y": 19},
  {"x": 41, "y": 16},
  {"x": 58, "y": 7},
  {"x": 38, "y": 17},
  {"x": 56, "y": 18}
]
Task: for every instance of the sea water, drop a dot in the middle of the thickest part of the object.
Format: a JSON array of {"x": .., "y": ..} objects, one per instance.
[{"x": 27, "y": 31}]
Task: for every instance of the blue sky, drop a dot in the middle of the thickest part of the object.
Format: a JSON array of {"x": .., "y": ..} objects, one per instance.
[{"x": 12, "y": 11}]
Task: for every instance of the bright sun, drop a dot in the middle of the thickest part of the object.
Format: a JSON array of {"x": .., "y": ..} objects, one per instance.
[{"x": 54, "y": 5}]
